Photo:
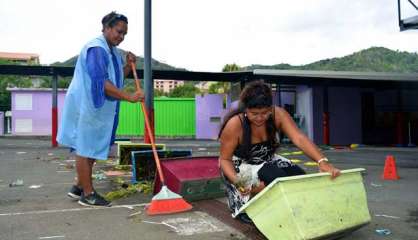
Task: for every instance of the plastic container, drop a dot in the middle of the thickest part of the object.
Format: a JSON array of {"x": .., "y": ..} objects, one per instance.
[{"x": 310, "y": 206}]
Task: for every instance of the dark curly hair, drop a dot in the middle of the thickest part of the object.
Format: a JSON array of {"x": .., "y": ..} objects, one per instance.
[
  {"x": 256, "y": 94},
  {"x": 112, "y": 19}
]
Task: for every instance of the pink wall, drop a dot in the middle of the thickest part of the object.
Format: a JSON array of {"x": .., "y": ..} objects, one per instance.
[{"x": 37, "y": 118}]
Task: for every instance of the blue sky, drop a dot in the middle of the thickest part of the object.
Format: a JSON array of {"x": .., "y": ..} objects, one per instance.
[{"x": 206, "y": 35}]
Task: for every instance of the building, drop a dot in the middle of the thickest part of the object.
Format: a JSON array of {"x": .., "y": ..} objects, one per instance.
[
  {"x": 166, "y": 85},
  {"x": 340, "y": 108},
  {"x": 20, "y": 58},
  {"x": 333, "y": 108},
  {"x": 31, "y": 110}
]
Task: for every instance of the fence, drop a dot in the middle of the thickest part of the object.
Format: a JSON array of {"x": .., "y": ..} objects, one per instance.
[{"x": 173, "y": 118}]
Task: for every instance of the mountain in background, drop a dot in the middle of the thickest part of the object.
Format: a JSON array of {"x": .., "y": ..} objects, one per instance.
[
  {"x": 374, "y": 59},
  {"x": 156, "y": 65}
]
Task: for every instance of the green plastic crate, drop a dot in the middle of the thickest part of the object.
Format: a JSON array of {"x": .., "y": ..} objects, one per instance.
[{"x": 310, "y": 206}]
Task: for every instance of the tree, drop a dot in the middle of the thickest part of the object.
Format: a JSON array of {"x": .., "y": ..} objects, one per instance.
[
  {"x": 224, "y": 87},
  {"x": 10, "y": 81},
  {"x": 231, "y": 68},
  {"x": 187, "y": 90},
  {"x": 62, "y": 82},
  {"x": 159, "y": 93}
]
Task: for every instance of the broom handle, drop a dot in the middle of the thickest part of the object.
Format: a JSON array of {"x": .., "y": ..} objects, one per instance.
[{"x": 148, "y": 128}]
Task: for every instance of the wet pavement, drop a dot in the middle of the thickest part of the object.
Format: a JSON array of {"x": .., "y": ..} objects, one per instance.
[{"x": 40, "y": 208}]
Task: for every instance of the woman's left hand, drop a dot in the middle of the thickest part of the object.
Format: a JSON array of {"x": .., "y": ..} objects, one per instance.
[
  {"x": 324, "y": 166},
  {"x": 130, "y": 58}
]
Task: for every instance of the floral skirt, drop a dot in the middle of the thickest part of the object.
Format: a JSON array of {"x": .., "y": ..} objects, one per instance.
[{"x": 267, "y": 171}]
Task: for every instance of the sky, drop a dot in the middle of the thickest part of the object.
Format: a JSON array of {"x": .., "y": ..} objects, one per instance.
[{"x": 205, "y": 35}]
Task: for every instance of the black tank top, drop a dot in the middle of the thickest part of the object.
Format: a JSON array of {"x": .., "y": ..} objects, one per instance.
[{"x": 259, "y": 152}]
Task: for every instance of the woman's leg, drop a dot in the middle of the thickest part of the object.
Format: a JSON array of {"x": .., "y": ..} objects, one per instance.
[
  {"x": 84, "y": 171},
  {"x": 270, "y": 171}
]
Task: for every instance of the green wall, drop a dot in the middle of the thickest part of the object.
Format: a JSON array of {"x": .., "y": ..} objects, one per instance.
[{"x": 174, "y": 117}]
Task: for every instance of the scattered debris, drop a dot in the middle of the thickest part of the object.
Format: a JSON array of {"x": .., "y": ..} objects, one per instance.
[
  {"x": 99, "y": 176},
  {"x": 114, "y": 173},
  {"x": 386, "y": 216},
  {"x": 17, "y": 183},
  {"x": 145, "y": 187},
  {"x": 162, "y": 223},
  {"x": 118, "y": 180},
  {"x": 192, "y": 225},
  {"x": 376, "y": 185},
  {"x": 134, "y": 214},
  {"x": 383, "y": 231},
  {"x": 69, "y": 165},
  {"x": 35, "y": 186},
  {"x": 123, "y": 167}
]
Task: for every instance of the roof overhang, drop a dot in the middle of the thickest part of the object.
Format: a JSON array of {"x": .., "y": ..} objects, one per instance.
[
  {"x": 291, "y": 77},
  {"x": 337, "y": 78}
]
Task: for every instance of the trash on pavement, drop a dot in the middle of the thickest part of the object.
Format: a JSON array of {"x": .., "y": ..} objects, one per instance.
[
  {"x": 17, "y": 183},
  {"x": 386, "y": 216},
  {"x": 383, "y": 231}
]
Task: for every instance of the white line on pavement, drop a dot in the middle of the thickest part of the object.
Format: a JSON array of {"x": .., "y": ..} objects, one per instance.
[
  {"x": 52, "y": 237},
  {"x": 71, "y": 210}
]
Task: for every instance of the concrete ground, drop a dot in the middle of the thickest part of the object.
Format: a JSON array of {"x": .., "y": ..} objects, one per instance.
[{"x": 27, "y": 212}]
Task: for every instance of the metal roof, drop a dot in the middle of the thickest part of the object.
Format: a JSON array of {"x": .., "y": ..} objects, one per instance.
[
  {"x": 338, "y": 78},
  {"x": 293, "y": 77},
  {"x": 379, "y": 76}
]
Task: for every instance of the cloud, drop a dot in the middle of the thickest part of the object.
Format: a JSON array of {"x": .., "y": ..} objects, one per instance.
[{"x": 205, "y": 35}]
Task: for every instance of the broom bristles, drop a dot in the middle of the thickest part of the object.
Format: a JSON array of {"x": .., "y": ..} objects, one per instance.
[
  {"x": 168, "y": 206},
  {"x": 166, "y": 202}
]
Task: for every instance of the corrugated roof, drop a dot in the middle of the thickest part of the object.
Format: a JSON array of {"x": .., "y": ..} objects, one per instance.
[{"x": 378, "y": 76}]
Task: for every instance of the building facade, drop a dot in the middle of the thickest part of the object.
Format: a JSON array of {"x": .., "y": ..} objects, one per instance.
[
  {"x": 20, "y": 58},
  {"x": 166, "y": 85}
]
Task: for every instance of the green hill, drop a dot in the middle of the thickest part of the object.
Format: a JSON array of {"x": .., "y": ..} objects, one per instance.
[
  {"x": 374, "y": 59},
  {"x": 156, "y": 65}
]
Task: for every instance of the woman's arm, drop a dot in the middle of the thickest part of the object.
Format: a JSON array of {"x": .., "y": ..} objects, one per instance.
[
  {"x": 284, "y": 122},
  {"x": 229, "y": 140},
  {"x": 112, "y": 91}
]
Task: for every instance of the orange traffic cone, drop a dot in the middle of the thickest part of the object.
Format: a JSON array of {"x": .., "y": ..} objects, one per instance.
[{"x": 390, "y": 172}]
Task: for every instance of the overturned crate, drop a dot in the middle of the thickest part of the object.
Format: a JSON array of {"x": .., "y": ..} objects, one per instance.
[
  {"x": 125, "y": 149},
  {"x": 310, "y": 206},
  {"x": 194, "y": 178},
  {"x": 143, "y": 162}
]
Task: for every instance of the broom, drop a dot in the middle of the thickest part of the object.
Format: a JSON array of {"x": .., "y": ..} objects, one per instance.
[{"x": 166, "y": 201}]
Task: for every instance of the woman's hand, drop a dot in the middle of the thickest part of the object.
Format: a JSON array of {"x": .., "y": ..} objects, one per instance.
[
  {"x": 324, "y": 166},
  {"x": 130, "y": 58},
  {"x": 244, "y": 191},
  {"x": 136, "y": 97}
]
